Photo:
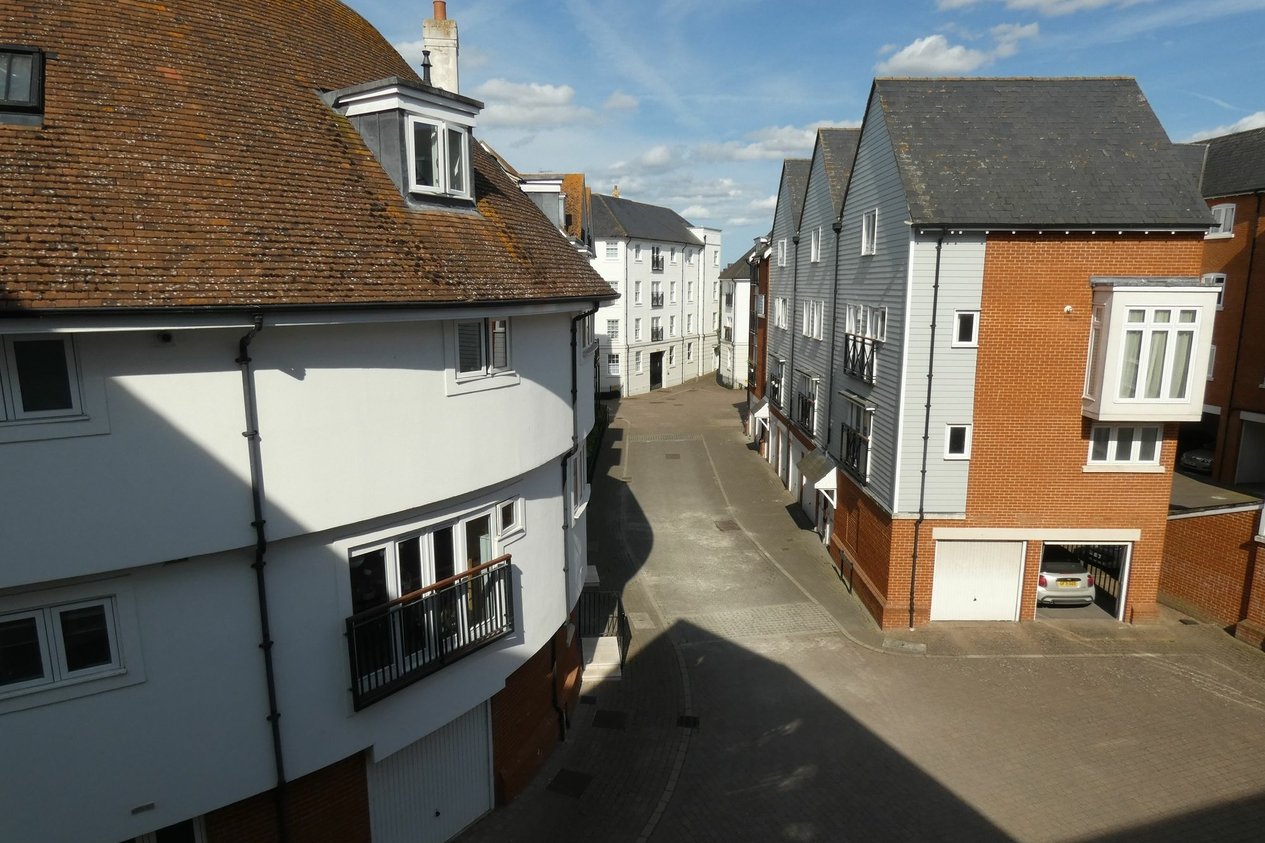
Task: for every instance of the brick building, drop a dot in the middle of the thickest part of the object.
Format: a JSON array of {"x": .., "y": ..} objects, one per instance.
[{"x": 1020, "y": 325}]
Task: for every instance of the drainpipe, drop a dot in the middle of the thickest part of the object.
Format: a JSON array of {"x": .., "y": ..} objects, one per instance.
[
  {"x": 926, "y": 430},
  {"x": 787, "y": 390},
  {"x": 1234, "y": 372},
  {"x": 837, "y": 225},
  {"x": 261, "y": 547}
]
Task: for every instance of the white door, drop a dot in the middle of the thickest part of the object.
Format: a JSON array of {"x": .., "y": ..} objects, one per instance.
[
  {"x": 977, "y": 581},
  {"x": 432, "y": 789}
]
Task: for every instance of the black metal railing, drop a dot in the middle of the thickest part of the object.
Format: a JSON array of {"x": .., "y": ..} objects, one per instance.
[
  {"x": 775, "y": 391},
  {"x": 656, "y": 263},
  {"x": 656, "y": 334},
  {"x": 856, "y": 453},
  {"x": 804, "y": 411},
  {"x": 395, "y": 644},
  {"x": 859, "y": 354},
  {"x": 600, "y": 614},
  {"x": 656, "y": 299}
]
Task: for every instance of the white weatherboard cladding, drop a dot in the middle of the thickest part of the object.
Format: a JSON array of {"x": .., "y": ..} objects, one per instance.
[
  {"x": 953, "y": 381},
  {"x": 977, "y": 581},
  {"x": 878, "y": 280},
  {"x": 432, "y": 789}
]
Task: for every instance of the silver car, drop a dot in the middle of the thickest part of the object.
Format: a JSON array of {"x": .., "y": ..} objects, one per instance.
[{"x": 1065, "y": 582}]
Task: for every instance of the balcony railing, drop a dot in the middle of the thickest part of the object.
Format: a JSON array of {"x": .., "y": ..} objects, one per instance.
[
  {"x": 656, "y": 263},
  {"x": 804, "y": 411},
  {"x": 656, "y": 335},
  {"x": 856, "y": 453},
  {"x": 395, "y": 644},
  {"x": 775, "y": 391},
  {"x": 656, "y": 299},
  {"x": 859, "y": 354}
]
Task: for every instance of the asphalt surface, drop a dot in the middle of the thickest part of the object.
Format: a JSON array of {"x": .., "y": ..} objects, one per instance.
[{"x": 761, "y": 703}]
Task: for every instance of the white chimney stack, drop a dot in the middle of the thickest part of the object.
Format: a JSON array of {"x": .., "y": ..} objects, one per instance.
[{"x": 439, "y": 35}]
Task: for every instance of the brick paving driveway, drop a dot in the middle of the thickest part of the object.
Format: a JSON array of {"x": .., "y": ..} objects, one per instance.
[{"x": 814, "y": 726}]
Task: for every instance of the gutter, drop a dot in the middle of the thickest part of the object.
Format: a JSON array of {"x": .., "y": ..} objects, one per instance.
[
  {"x": 926, "y": 430},
  {"x": 261, "y": 547}
]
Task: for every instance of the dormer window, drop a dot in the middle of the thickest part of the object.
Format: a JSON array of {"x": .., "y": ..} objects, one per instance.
[
  {"x": 439, "y": 156},
  {"x": 21, "y": 80}
]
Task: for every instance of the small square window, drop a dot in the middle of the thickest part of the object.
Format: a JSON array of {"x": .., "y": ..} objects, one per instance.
[
  {"x": 966, "y": 329},
  {"x": 957, "y": 442},
  {"x": 507, "y": 517},
  {"x": 438, "y": 155},
  {"x": 38, "y": 377},
  {"x": 483, "y": 346}
]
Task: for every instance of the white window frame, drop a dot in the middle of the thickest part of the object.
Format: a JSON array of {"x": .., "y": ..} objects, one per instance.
[
  {"x": 11, "y": 405},
  {"x": 689, "y": 352},
  {"x": 671, "y": 356},
  {"x": 689, "y": 290},
  {"x": 672, "y": 291},
  {"x": 1149, "y": 328},
  {"x": 580, "y": 487},
  {"x": 444, "y": 154},
  {"x": 612, "y": 250},
  {"x": 858, "y": 416},
  {"x": 612, "y": 329},
  {"x": 869, "y": 232},
  {"x": 672, "y": 325},
  {"x": 637, "y": 361},
  {"x": 489, "y": 327},
  {"x": 1224, "y": 215},
  {"x": 965, "y": 453},
  {"x": 814, "y": 251},
  {"x": 637, "y": 254},
  {"x": 637, "y": 329},
  {"x": 818, "y": 318},
  {"x": 689, "y": 323},
  {"x": 637, "y": 290},
  {"x": 689, "y": 256},
  {"x": 612, "y": 364},
  {"x": 1108, "y": 436},
  {"x": 780, "y": 315},
  {"x": 781, "y": 252},
  {"x": 1217, "y": 279},
  {"x": 863, "y": 320},
  {"x": 715, "y": 257},
  {"x": 672, "y": 256},
  {"x": 973, "y": 340}
]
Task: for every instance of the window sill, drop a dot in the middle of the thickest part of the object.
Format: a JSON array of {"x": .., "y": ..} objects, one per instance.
[
  {"x": 1229, "y": 235},
  {"x": 61, "y": 427},
  {"x": 466, "y": 384},
  {"x": 1122, "y": 468}
]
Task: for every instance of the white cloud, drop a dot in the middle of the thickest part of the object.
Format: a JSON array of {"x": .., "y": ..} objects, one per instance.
[
  {"x": 1049, "y": 8},
  {"x": 935, "y": 56},
  {"x": 767, "y": 203},
  {"x": 621, "y": 101},
  {"x": 773, "y": 143},
  {"x": 696, "y": 212},
  {"x": 529, "y": 104},
  {"x": 1252, "y": 121}
]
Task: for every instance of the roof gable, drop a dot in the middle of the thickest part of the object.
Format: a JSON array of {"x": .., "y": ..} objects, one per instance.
[
  {"x": 838, "y": 151},
  {"x": 790, "y": 194},
  {"x": 1036, "y": 152}
]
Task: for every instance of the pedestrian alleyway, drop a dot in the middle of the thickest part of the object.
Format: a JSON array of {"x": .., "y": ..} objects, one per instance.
[{"x": 760, "y": 702}]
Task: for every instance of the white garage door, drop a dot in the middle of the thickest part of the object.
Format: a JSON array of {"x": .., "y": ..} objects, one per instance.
[
  {"x": 977, "y": 581},
  {"x": 432, "y": 789}
]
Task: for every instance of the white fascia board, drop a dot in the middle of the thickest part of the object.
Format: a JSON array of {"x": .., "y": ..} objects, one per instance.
[
  {"x": 903, "y": 388},
  {"x": 1060, "y": 535},
  {"x": 541, "y": 186},
  {"x": 394, "y": 98}
]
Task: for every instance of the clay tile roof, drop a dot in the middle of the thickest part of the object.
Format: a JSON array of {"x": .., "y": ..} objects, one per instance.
[
  {"x": 186, "y": 159},
  {"x": 1037, "y": 152}
]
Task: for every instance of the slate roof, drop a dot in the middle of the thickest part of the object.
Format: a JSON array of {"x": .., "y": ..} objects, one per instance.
[
  {"x": 1037, "y": 152},
  {"x": 1235, "y": 164},
  {"x": 839, "y": 151},
  {"x": 794, "y": 185},
  {"x": 614, "y": 216},
  {"x": 187, "y": 160},
  {"x": 740, "y": 270}
]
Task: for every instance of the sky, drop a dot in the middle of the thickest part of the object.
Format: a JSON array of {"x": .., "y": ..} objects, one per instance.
[{"x": 695, "y": 104}]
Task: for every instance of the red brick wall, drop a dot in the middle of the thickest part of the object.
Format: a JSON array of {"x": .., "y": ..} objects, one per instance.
[
  {"x": 330, "y": 805},
  {"x": 861, "y": 546},
  {"x": 524, "y": 720},
  {"x": 1209, "y": 562}
]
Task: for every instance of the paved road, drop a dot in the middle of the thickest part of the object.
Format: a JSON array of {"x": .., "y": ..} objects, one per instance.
[{"x": 812, "y": 725}]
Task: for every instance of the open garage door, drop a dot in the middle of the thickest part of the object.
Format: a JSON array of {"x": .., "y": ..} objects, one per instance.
[{"x": 977, "y": 581}]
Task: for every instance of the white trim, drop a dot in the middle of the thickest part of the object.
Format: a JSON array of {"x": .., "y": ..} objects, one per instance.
[
  {"x": 966, "y": 454},
  {"x": 1058, "y": 535},
  {"x": 904, "y": 370},
  {"x": 1225, "y": 220},
  {"x": 393, "y": 98},
  {"x": 973, "y": 342},
  {"x": 1123, "y": 468}
]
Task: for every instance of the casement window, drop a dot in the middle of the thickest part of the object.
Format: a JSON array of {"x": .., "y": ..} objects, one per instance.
[
  {"x": 672, "y": 326},
  {"x": 780, "y": 316},
  {"x": 656, "y": 259},
  {"x": 689, "y": 256},
  {"x": 759, "y": 304},
  {"x": 483, "y": 347},
  {"x": 672, "y": 292},
  {"x": 716, "y": 257},
  {"x": 1110, "y": 445},
  {"x": 656, "y": 329},
  {"x": 689, "y": 323},
  {"x": 637, "y": 253},
  {"x": 1217, "y": 279},
  {"x": 21, "y": 79},
  {"x": 957, "y": 442},
  {"x": 781, "y": 252},
  {"x": 857, "y": 427},
  {"x": 689, "y": 352},
  {"x": 715, "y": 291},
  {"x": 439, "y": 157},
  {"x": 816, "y": 319},
  {"x": 672, "y": 255},
  {"x": 814, "y": 250},
  {"x": 965, "y": 329},
  {"x": 637, "y": 361},
  {"x": 1158, "y": 345},
  {"x": 869, "y": 232},
  {"x": 612, "y": 329},
  {"x": 612, "y": 364},
  {"x": 38, "y": 378},
  {"x": 689, "y": 290},
  {"x": 862, "y": 320},
  {"x": 588, "y": 331},
  {"x": 637, "y": 328},
  {"x": 1224, "y": 216},
  {"x": 806, "y": 401},
  {"x": 612, "y": 250},
  {"x": 54, "y": 645},
  {"x": 671, "y": 355},
  {"x": 637, "y": 290}
]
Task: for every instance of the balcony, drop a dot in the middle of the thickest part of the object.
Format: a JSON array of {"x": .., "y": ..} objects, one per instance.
[
  {"x": 656, "y": 263},
  {"x": 856, "y": 453},
  {"x": 656, "y": 299},
  {"x": 656, "y": 335},
  {"x": 859, "y": 354},
  {"x": 804, "y": 411},
  {"x": 393, "y": 645}
]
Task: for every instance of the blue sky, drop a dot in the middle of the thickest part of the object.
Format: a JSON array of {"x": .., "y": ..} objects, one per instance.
[{"x": 694, "y": 104}]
